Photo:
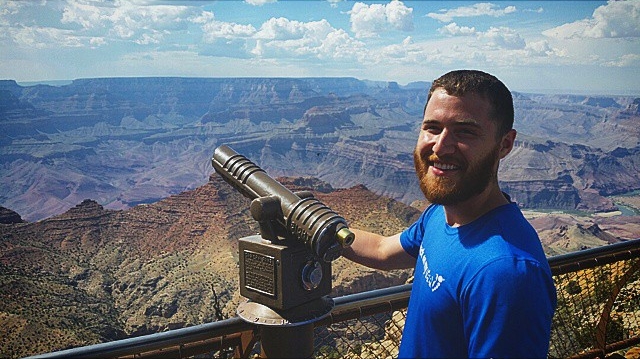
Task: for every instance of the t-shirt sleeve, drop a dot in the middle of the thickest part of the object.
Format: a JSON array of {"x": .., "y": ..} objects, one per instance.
[
  {"x": 411, "y": 238},
  {"x": 507, "y": 308}
]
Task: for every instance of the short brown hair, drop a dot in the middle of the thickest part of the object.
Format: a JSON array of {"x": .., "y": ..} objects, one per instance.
[{"x": 460, "y": 82}]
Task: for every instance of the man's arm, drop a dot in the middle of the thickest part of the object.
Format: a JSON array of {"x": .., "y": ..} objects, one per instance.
[{"x": 378, "y": 252}]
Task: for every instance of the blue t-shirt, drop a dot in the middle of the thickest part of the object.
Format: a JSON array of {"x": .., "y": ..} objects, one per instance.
[{"x": 480, "y": 290}]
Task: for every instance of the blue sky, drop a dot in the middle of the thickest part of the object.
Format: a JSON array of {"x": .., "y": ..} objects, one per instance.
[{"x": 533, "y": 46}]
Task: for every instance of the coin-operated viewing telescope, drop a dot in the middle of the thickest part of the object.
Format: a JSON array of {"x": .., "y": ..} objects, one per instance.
[{"x": 288, "y": 266}]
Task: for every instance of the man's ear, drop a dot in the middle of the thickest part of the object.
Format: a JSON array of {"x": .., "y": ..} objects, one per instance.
[{"x": 506, "y": 144}]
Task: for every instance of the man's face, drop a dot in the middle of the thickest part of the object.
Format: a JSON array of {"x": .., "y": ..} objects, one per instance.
[{"x": 458, "y": 148}]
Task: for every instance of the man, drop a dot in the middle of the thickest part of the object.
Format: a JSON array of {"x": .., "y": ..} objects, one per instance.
[{"x": 482, "y": 285}]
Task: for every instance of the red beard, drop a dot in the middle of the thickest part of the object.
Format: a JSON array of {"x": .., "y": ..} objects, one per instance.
[{"x": 474, "y": 178}]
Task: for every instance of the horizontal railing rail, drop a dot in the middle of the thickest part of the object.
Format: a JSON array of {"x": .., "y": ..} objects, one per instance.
[
  {"x": 593, "y": 257},
  {"x": 220, "y": 331},
  {"x": 597, "y": 291}
]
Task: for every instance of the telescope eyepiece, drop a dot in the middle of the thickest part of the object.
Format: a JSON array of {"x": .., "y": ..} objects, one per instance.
[{"x": 345, "y": 237}]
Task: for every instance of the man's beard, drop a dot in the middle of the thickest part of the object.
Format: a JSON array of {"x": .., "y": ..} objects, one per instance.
[{"x": 447, "y": 191}]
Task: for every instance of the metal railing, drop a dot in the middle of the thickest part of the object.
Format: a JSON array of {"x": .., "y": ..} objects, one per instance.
[
  {"x": 598, "y": 313},
  {"x": 598, "y": 301}
]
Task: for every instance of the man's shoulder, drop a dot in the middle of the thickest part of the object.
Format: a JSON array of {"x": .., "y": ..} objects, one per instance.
[
  {"x": 513, "y": 222},
  {"x": 432, "y": 211}
]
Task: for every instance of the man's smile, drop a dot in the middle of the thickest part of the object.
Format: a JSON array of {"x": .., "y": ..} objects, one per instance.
[
  {"x": 444, "y": 166},
  {"x": 441, "y": 167}
]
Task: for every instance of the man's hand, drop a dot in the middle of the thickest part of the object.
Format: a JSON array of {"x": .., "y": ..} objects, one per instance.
[{"x": 375, "y": 251}]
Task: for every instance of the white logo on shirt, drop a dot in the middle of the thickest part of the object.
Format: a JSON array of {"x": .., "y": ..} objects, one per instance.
[{"x": 432, "y": 280}]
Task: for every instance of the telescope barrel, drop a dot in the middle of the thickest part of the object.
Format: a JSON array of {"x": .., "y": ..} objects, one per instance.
[
  {"x": 306, "y": 219},
  {"x": 245, "y": 176}
]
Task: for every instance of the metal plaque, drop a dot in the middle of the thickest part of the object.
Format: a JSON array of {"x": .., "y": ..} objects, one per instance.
[{"x": 260, "y": 273}]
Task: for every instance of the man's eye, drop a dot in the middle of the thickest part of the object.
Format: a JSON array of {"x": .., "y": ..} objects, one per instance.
[
  {"x": 466, "y": 132},
  {"x": 432, "y": 129}
]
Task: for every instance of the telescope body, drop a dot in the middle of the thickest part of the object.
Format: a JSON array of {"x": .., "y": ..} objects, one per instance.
[{"x": 288, "y": 266}]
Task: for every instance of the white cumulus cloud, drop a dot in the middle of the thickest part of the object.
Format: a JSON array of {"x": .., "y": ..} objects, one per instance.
[
  {"x": 370, "y": 20},
  {"x": 480, "y": 9},
  {"x": 625, "y": 61},
  {"x": 152, "y": 38},
  {"x": 543, "y": 49},
  {"x": 138, "y": 20},
  {"x": 259, "y": 2},
  {"x": 339, "y": 45},
  {"x": 284, "y": 29},
  {"x": 454, "y": 29},
  {"x": 46, "y": 37},
  {"x": 504, "y": 37},
  {"x": 616, "y": 19},
  {"x": 213, "y": 30},
  {"x": 406, "y": 52},
  {"x": 283, "y": 37},
  {"x": 202, "y": 18},
  {"x": 86, "y": 14}
]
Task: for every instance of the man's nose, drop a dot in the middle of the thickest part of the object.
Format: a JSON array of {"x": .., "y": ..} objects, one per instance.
[{"x": 444, "y": 143}]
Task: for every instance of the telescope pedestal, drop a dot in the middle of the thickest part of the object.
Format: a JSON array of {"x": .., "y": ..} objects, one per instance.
[
  {"x": 286, "y": 333},
  {"x": 287, "y": 342}
]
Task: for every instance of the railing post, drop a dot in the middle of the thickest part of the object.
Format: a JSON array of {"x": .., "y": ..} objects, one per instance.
[
  {"x": 601, "y": 327},
  {"x": 247, "y": 341}
]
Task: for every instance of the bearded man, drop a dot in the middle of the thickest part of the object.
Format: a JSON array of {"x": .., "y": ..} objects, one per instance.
[{"x": 482, "y": 284}]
